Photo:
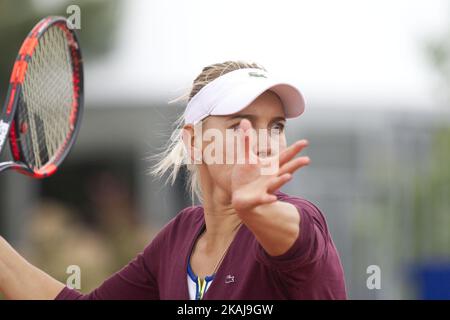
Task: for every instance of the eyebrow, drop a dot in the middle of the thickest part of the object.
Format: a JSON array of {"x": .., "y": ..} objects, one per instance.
[
  {"x": 243, "y": 116},
  {"x": 278, "y": 119},
  {"x": 253, "y": 117}
]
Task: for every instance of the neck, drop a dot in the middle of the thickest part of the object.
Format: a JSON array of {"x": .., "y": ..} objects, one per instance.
[{"x": 221, "y": 219}]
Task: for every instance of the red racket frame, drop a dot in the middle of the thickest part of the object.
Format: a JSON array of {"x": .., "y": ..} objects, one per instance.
[{"x": 15, "y": 86}]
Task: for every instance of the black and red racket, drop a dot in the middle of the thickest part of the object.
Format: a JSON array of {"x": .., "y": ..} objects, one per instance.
[{"x": 44, "y": 104}]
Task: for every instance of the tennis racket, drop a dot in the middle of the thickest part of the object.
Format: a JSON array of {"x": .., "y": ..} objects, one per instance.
[{"x": 43, "y": 108}]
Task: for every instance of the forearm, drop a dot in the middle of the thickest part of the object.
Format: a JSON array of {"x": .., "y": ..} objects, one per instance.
[
  {"x": 276, "y": 226},
  {"x": 21, "y": 280}
]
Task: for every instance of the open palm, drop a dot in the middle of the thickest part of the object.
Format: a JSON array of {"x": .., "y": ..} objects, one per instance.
[{"x": 251, "y": 183}]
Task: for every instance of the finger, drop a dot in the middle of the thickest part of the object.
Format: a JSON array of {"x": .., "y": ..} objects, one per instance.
[
  {"x": 292, "y": 150},
  {"x": 251, "y": 201},
  {"x": 268, "y": 198},
  {"x": 246, "y": 130},
  {"x": 246, "y": 146},
  {"x": 245, "y": 124},
  {"x": 294, "y": 165},
  {"x": 277, "y": 182},
  {"x": 242, "y": 146}
]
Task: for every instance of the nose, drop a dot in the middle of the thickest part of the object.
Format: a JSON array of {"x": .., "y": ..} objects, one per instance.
[
  {"x": 264, "y": 145},
  {"x": 264, "y": 153}
]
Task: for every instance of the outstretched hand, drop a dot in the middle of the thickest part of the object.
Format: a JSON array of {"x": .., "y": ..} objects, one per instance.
[{"x": 251, "y": 185}]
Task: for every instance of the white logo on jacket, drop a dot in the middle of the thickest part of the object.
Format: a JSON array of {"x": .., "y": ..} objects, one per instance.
[{"x": 229, "y": 279}]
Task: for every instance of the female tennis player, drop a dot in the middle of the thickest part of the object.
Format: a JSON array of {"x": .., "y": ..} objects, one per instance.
[{"x": 247, "y": 240}]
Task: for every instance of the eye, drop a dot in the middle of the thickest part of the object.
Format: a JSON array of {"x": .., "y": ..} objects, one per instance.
[
  {"x": 278, "y": 126},
  {"x": 234, "y": 126}
]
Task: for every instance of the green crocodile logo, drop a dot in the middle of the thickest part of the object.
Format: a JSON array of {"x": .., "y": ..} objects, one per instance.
[{"x": 257, "y": 74}]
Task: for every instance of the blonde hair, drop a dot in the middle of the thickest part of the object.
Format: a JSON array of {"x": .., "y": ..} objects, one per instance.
[{"x": 174, "y": 155}]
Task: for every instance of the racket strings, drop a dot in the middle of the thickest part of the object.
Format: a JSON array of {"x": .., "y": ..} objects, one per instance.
[{"x": 46, "y": 102}]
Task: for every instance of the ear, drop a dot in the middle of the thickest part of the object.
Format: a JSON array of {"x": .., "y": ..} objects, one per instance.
[{"x": 193, "y": 151}]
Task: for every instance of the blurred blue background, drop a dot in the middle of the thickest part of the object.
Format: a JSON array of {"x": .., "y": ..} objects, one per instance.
[{"x": 376, "y": 77}]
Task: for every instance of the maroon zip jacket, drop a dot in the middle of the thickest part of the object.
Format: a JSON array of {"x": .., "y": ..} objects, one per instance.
[{"x": 310, "y": 269}]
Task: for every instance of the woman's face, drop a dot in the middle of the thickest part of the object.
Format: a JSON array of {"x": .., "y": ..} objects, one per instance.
[{"x": 219, "y": 144}]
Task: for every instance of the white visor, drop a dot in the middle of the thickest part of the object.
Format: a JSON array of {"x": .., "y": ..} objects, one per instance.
[{"x": 235, "y": 90}]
